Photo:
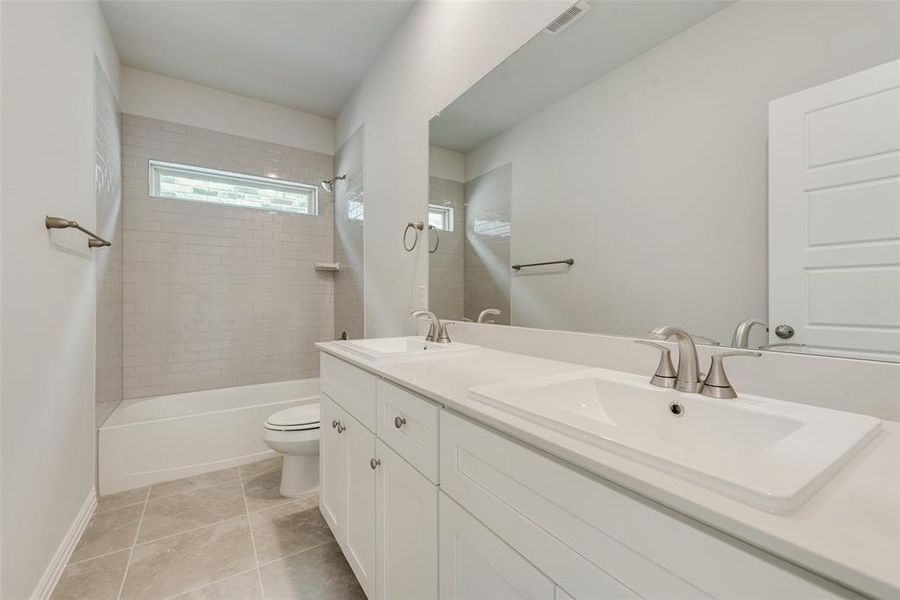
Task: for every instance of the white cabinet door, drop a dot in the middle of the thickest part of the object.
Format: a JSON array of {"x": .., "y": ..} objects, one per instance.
[
  {"x": 407, "y": 508},
  {"x": 834, "y": 194},
  {"x": 476, "y": 564},
  {"x": 359, "y": 541},
  {"x": 332, "y": 469}
]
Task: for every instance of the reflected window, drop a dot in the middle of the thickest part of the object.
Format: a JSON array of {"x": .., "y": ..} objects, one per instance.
[
  {"x": 355, "y": 210},
  {"x": 440, "y": 217},
  {"x": 197, "y": 184}
]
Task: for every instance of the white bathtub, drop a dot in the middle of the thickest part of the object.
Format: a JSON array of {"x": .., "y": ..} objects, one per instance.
[{"x": 161, "y": 438}]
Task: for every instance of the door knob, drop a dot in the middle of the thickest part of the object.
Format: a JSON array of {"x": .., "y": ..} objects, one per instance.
[
  {"x": 785, "y": 332},
  {"x": 374, "y": 463}
]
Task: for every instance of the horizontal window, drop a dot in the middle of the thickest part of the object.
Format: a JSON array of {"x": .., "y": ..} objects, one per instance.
[
  {"x": 440, "y": 217},
  {"x": 196, "y": 184}
]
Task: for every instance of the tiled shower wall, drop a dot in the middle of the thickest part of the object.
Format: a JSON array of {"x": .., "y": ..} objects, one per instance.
[
  {"x": 348, "y": 238},
  {"x": 108, "y": 261},
  {"x": 487, "y": 250},
  {"x": 218, "y": 296},
  {"x": 445, "y": 266}
]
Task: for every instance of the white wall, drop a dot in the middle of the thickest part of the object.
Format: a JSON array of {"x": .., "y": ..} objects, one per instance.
[
  {"x": 47, "y": 278},
  {"x": 446, "y": 164},
  {"x": 147, "y": 94},
  {"x": 438, "y": 52},
  {"x": 654, "y": 177}
]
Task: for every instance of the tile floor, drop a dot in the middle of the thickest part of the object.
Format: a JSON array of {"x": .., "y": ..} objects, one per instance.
[{"x": 225, "y": 535}]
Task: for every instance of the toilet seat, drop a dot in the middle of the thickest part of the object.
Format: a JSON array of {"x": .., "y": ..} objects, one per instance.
[{"x": 297, "y": 418}]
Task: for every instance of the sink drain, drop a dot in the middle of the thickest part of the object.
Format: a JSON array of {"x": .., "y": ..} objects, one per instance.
[{"x": 676, "y": 409}]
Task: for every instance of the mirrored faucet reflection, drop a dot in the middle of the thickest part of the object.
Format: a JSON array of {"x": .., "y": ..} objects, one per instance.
[{"x": 486, "y": 313}]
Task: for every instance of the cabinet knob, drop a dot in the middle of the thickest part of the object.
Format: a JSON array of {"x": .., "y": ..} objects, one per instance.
[
  {"x": 334, "y": 423},
  {"x": 399, "y": 422},
  {"x": 340, "y": 427},
  {"x": 374, "y": 463}
]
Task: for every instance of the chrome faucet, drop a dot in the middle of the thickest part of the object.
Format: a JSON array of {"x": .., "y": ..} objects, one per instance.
[
  {"x": 688, "y": 377},
  {"x": 438, "y": 331},
  {"x": 741, "y": 337},
  {"x": 487, "y": 312}
]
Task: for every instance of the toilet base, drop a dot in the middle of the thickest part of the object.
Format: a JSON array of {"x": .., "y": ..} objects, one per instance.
[{"x": 299, "y": 475}]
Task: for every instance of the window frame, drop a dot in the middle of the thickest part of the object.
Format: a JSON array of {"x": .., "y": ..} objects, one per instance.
[
  {"x": 155, "y": 167},
  {"x": 448, "y": 215}
]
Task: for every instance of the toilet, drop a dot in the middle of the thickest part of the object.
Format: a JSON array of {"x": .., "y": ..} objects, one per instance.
[{"x": 294, "y": 432}]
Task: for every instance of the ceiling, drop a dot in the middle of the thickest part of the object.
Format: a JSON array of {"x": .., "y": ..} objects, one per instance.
[
  {"x": 305, "y": 54},
  {"x": 549, "y": 68}
]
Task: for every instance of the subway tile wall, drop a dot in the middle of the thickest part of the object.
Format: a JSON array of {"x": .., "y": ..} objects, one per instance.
[
  {"x": 349, "y": 197},
  {"x": 218, "y": 296},
  {"x": 445, "y": 266},
  {"x": 108, "y": 264},
  {"x": 487, "y": 248}
]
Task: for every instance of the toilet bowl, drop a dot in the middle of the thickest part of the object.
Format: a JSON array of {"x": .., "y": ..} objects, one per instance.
[{"x": 294, "y": 433}]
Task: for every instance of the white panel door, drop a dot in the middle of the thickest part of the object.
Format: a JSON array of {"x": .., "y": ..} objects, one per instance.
[
  {"x": 407, "y": 506},
  {"x": 359, "y": 541},
  {"x": 834, "y": 200},
  {"x": 476, "y": 564},
  {"x": 332, "y": 469}
]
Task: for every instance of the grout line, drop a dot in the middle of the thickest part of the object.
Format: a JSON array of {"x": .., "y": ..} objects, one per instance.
[
  {"x": 133, "y": 544},
  {"x": 192, "y": 529},
  {"x": 265, "y": 564},
  {"x": 262, "y": 592},
  {"x": 200, "y": 587}
]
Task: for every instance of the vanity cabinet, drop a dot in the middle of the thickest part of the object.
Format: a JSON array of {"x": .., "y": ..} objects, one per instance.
[
  {"x": 377, "y": 440},
  {"x": 347, "y": 488},
  {"x": 406, "y": 483},
  {"x": 407, "y": 529}
]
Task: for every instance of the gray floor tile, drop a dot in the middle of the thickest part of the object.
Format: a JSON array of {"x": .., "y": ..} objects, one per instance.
[
  {"x": 263, "y": 466},
  {"x": 318, "y": 574},
  {"x": 239, "y": 587},
  {"x": 126, "y": 498},
  {"x": 185, "y": 562},
  {"x": 192, "y": 483},
  {"x": 108, "y": 532},
  {"x": 288, "y": 529},
  {"x": 174, "y": 513},
  {"x": 261, "y": 490},
  {"x": 96, "y": 579}
]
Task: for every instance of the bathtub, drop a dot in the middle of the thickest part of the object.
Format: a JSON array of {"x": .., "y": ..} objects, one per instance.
[{"x": 148, "y": 440}]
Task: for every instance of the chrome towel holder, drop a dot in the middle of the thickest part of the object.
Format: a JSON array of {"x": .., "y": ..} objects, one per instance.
[
  {"x": 418, "y": 226},
  {"x": 568, "y": 261},
  {"x": 95, "y": 240}
]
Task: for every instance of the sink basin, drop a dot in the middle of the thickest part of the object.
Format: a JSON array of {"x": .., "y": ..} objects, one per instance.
[
  {"x": 767, "y": 453},
  {"x": 401, "y": 347}
]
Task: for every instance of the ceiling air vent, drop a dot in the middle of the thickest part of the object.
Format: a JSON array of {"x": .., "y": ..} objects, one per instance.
[{"x": 568, "y": 17}]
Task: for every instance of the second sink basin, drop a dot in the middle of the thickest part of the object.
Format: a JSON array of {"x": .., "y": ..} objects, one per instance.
[{"x": 764, "y": 452}]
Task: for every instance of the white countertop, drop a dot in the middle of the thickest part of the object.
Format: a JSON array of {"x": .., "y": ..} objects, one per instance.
[{"x": 849, "y": 531}]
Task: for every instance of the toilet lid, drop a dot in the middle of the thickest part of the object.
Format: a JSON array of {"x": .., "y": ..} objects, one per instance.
[{"x": 294, "y": 419}]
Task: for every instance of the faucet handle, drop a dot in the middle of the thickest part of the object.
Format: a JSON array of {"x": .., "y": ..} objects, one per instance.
[
  {"x": 717, "y": 384},
  {"x": 665, "y": 373}
]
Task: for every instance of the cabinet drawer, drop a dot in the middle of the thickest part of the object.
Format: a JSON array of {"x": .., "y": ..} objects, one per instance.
[
  {"x": 585, "y": 533},
  {"x": 352, "y": 388},
  {"x": 409, "y": 425}
]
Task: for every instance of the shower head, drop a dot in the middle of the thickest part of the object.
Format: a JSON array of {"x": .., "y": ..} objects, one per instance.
[{"x": 328, "y": 185}]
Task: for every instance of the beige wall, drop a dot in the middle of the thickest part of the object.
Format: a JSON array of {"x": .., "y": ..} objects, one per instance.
[
  {"x": 348, "y": 239},
  {"x": 48, "y": 306},
  {"x": 220, "y": 296}
]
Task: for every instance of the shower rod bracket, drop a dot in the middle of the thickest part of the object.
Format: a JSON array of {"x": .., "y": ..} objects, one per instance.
[{"x": 95, "y": 240}]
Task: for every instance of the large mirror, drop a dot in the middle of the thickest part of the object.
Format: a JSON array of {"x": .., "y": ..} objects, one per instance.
[{"x": 732, "y": 168}]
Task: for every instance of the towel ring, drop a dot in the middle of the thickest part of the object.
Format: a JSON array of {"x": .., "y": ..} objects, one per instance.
[
  {"x": 437, "y": 238},
  {"x": 416, "y": 227}
]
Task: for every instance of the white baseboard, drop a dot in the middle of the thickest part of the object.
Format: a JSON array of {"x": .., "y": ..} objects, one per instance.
[{"x": 54, "y": 570}]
